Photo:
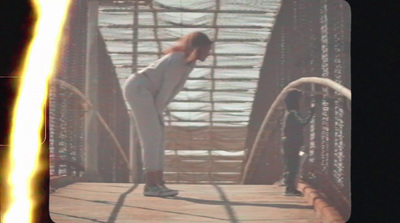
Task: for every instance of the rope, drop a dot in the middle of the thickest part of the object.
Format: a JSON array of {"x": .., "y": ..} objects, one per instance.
[
  {"x": 98, "y": 115},
  {"x": 305, "y": 80}
]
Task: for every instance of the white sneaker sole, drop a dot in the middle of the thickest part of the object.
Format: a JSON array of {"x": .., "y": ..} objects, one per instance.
[
  {"x": 171, "y": 192},
  {"x": 293, "y": 195},
  {"x": 155, "y": 195}
]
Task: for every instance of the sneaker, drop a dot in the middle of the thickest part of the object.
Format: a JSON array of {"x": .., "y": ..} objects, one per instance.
[
  {"x": 281, "y": 184},
  {"x": 293, "y": 193},
  {"x": 155, "y": 191},
  {"x": 168, "y": 191}
]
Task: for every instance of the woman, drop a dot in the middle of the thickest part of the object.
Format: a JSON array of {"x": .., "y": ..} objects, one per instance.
[{"x": 148, "y": 93}]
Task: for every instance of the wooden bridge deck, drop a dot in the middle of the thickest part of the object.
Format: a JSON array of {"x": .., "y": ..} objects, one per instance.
[{"x": 124, "y": 203}]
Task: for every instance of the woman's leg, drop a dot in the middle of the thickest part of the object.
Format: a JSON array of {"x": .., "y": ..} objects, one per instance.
[
  {"x": 160, "y": 172},
  {"x": 159, "y": 177},
  {"x": 151, "y": 133},
  {"x": 149, "y": 127},
  {"x": 151, "y": 178}
]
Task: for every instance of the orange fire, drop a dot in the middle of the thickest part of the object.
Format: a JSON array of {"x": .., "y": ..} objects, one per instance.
[{"x": 28, "y": 116}]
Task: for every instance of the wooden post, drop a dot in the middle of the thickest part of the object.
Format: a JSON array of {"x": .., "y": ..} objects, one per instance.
[
  {"x": 132, "y": 150},
  {"x": 91, "y": 88},
  {"x": 137, "y": 146}
]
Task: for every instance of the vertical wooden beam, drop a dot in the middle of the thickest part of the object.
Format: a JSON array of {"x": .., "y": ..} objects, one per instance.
[
  {"x": 210, "y": 160},
  {"x": 91, "y": 88},
  {"x": 135, "y": 37},
  {"x": 273, "y": 77},
  {"x": 135, "y": 157},
  {"x": 134, "y": 175}
]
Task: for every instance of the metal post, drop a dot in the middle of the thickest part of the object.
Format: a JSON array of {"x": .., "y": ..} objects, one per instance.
[
  {"x": 211, "y": 177},
  {"x": 134, "y": 139},
  {"x": 91, "y": 88},
  {"x": 135, "y": 37},
  {"x": 133, "y": 177}
]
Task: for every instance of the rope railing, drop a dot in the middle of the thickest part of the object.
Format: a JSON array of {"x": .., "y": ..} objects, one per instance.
[
  {"x": 98, "y": 115},
  {"x": 277, "y": 103}
]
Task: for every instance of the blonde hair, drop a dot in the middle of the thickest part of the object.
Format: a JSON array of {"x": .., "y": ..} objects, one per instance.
[{"x": 190, "y": 44}]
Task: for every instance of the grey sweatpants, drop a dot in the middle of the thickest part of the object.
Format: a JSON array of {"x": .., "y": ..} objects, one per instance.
[{"x": 141, "y": 98}]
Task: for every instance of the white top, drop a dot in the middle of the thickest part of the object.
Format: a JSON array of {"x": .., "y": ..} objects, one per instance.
[{"x": 168, "y": 76}]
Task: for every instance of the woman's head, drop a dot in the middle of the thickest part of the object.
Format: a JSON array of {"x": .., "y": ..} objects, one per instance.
[
  {"x": 292, "y": 99},
  {"x": 196, "y": 46}
]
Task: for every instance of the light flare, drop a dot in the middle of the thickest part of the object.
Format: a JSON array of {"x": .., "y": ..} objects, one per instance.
[{"x": 28, "y": 116}]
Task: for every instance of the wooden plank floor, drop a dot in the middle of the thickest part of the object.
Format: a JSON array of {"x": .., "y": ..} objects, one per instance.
[{"x": 124, "y": 203}]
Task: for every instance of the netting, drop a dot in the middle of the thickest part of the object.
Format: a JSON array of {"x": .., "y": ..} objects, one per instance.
[
  {"x": 310, "y": 38},
  {"x": 211, "y": 114},
  {"x": 66, "y": 116},
  {"x": 68, "y": 110}
]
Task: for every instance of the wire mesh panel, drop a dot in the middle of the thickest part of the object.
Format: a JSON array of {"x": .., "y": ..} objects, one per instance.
[
  {"x": 68, "y": 106},
  {"x": 112, "y": 108},
  {"x": 310, "y": 38},
  {"x": 66, "y": 115},
  {"x": 219, "y": 92},
  {"x": 331, "y": 168}
]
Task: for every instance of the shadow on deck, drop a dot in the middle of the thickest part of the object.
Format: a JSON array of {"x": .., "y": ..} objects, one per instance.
[{"x": 124, "y": 202}]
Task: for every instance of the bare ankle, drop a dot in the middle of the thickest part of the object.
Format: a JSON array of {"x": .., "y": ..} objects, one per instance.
[{"x": 151, "y": 178}]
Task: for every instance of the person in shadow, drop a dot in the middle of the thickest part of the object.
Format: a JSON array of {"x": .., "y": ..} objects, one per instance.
[{"x": 292, "y": 139}]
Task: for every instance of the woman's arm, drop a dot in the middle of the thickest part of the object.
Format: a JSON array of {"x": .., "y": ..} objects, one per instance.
[{"x": 172, "y": 77}]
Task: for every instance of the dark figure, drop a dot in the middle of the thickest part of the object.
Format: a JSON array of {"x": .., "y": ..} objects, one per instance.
[{"x": 292, "y": 139}]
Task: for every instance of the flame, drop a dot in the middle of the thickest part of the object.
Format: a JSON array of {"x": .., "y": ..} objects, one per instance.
[{"x": 28, "y": 116}]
